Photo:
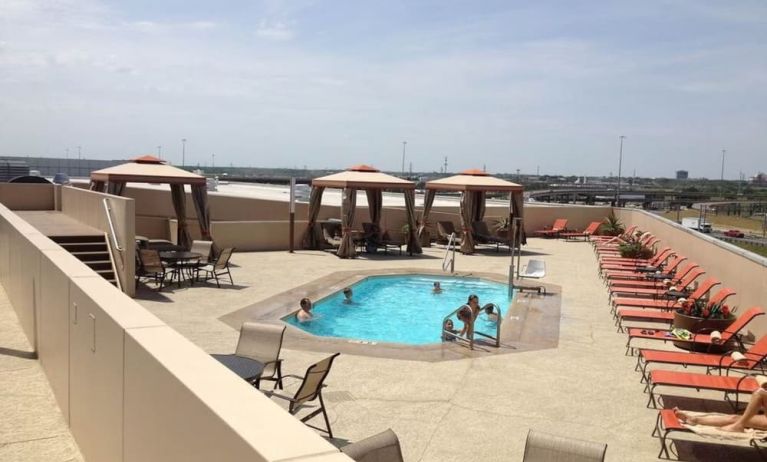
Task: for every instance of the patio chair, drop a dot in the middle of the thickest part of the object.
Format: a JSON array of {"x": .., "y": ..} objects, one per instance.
[
  {"x": 667, "y": 423},
  {"x": 204, "y": 248},
  {"x": 383, "y": 447},
  {"x": 534, "y": 269},
  {"x": 748, "y": 360},
  {"x": 482, "y": 235},
  {"x": 263, "y": 342},
  {"x": 153, "y": 267},
  {"x": 218, "y": 268},
  {"x": 444, "y": 230},
  {"x": 310, "y": 390},
  {"x": 699, "y": 339},
  {"x": 560, "y": 225},
  {"x": 544, "y": 447},
  {"x": 586, "y": 234}
]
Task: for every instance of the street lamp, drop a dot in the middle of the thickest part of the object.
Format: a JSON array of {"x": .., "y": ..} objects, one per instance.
[
  {"x": 183, "y": 151},
  {"x": 620, "y": 164},
  {"x": 79, "y": 160},
  {"x": 404, "y": 145},
  {"x": 159, "y": 152},
  {"x": 724, "y": 151}
]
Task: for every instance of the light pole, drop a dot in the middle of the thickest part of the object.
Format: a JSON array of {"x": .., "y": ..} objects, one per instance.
[
  {"x": 159, "y": 152},
  {"x": 620, "y": 164},
  {"x": 183, "y": 151},
  {"x": 79, "y": 160},
  {"x": 404, "y": 145},
  {"x": 724, "y": 151},
  {"x": 212, "y": 160}
]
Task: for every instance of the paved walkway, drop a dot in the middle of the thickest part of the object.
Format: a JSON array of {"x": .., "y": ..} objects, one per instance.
[{"x": 32, "y": 427}]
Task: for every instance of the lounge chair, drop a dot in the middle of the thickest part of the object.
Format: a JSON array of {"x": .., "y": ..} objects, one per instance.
[
  {"x": 559, "y": 226},
  {"x": 586, "y": 234},
  {"x": 444, "y": 230},
  {"x": 667, "y": 272},
  {"x": 754, "y": 357},
  {"x": 331, "y": 234},
  {"x": 218, "y": 268},
  {"x": 666, "y": 316},
  {"x": 668, "y": 304},
  {"x": 699, "y": 339},
  {"x": 729, "y": 384},
  {"x": 383, "y": 447},
  {"x": 309, "y": 390},
  {"x": 629, "y": 263},
  {"x": 153, "y": 267},
  {"x": 543, "y": 447},
  {"x": 377, "y": 239},
  {"x": 482, "y": 235},
  {"x": 263, "y": 343},
  {"x": 534, "y": 269},
  {"x": 690, "y": 272},
  {"x": 597, "y": 240}
]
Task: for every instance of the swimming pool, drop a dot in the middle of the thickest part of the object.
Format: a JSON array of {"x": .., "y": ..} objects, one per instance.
[{"x": 400, "y": 309}]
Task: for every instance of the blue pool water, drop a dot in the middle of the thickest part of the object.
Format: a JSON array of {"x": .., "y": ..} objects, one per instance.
[{"x": 400, "y": 309}]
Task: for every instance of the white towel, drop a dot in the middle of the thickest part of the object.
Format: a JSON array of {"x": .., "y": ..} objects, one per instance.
[
  {"x": 718, "y": 433},
  {"x": 737, "y": 356},
  {"x": 716, "y": 336}
]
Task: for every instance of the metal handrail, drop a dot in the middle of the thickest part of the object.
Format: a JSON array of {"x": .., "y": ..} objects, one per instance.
[
  {"x": 451, "y": 260},
  {"x": 112, "y": 232},
  {"x": 470, "y": 335}
]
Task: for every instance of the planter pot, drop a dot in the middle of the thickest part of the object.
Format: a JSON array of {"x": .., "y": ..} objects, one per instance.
[{"x": 694, "y": 324}]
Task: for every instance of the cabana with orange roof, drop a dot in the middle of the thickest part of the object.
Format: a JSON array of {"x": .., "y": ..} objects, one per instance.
[
  {"x": 374, "y": 182},
  {"x": 474, "y": 185},
  {"x": 150, "y": 169}
]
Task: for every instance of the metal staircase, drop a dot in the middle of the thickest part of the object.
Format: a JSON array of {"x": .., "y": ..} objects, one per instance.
[{"x": 91, "y": 250}]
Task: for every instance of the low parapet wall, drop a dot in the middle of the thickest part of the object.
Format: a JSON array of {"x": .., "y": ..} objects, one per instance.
[
  {"x": 129, "y": 386},
  {"x": 743, "y": 271}
]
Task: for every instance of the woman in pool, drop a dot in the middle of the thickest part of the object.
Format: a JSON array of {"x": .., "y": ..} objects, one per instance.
[
  {"x": 734, "y": 423},
  {"x": 448, "y": 326},
  {"x": 305, "y": 313},
  {"x": 437, "y": 288},
  {"x": 490, "y": 312},
  {"x": 467, "y": 314},
  {"x": 348, "y": 296}
]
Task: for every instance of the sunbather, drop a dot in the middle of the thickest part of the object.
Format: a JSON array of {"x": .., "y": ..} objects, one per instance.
[
  {"x": 734, "y": 423},
  {"x": 305, "y": 313}
]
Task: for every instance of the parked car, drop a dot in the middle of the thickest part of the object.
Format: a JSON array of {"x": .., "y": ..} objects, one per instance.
[
  {"x": 61, "y": 178},
  {"x": 734, "y": 233}
]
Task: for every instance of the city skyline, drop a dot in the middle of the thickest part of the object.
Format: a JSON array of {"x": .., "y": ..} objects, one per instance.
[{"x": 283, "y": 84}]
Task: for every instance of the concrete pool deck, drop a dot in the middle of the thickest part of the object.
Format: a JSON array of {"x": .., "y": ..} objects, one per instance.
[{"x": 477, "y": 408}]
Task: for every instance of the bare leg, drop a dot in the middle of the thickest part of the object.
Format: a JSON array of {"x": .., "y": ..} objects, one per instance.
[
  {"x": 710, "y": 420},
  {"x": 751, "y": 417}
]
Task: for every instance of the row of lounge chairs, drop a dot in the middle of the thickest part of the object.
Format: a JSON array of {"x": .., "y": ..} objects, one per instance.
[
  {"x": 639, "y": 290},
  {"x": 559, "y": 230}
]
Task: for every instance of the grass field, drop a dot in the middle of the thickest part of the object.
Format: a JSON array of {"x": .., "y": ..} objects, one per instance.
[
  {"x": 721, "y": 221},
  {"x": 757, "y": 249}
]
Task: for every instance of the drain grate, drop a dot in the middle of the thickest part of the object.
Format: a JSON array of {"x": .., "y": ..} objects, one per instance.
[{"x": 338, "y": 396}]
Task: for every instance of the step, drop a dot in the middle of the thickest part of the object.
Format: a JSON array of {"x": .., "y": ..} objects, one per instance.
[
  {"x": 77, "y": 239},
  {"x": 91, "y": 256},
  {"x": 99, "y": 265},
  {"x": 85, "y": 246},
  {"x": 106, "y": 274}
]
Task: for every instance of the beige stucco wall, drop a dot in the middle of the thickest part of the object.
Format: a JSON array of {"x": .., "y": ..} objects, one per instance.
[
  {"x": 20, "y": 196},
  {"x": 742, "y": 271},
  {"x": 87, "y": 207},
  {"x": 130, "y": 387}
]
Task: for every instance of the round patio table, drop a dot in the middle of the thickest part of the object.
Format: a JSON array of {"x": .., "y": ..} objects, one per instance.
[
  {"x": 179, "y": 260},
  {"x": 247, "y": 368}
]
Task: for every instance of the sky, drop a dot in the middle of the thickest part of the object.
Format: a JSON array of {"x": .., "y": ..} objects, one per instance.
[{"x": 546, "y": 86}]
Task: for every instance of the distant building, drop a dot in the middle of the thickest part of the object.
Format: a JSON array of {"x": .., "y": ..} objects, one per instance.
[
  {"x": 760, "y": 179},
  {"x": 682, "y": 174}
]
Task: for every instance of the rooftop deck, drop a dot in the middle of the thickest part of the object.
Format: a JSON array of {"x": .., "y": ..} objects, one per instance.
[
  {"x": 477, "y": 408},
  {"x": 52, "y": 223}
]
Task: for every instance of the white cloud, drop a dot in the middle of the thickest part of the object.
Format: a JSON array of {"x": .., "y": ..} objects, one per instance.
[{"x": 276, "y": 30}]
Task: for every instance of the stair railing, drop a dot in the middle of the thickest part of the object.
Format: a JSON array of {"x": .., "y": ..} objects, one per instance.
[
  {"x": 113, "y": 244},
  {"x": 447, "y": 334},
  {"x": 449, "y": 260}
]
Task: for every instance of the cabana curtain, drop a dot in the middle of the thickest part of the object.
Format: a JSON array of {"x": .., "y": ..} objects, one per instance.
[
  {"x": 478, "y": 202},
  {"x": 517, "y": 211},
  {"x": 467, "y": 215},
  {"x": 348, "y": 204},
  {"x": 413, "y": 246},
  {"x": 200, "y": 200},
  {"x": 375, "y": 203},
  {"x": 312, "y": 235},
  {"x": 179, "y": 204},
  {"x": 115, "y": 188},
  {"x": 96, "y": 185},
  {"x": 428, "y": 201}
]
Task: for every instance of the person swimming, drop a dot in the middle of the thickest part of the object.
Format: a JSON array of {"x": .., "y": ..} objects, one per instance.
[
  {"x": 448, "y": 327},
  {"x": 489, "y": 310},
  {"x": 305, "y": 313},
  {"x": 348, "y": 296},
  {"x": 437, "y": 289}
]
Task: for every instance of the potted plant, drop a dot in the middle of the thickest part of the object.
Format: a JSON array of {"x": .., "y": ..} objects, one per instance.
[
  {"x": 612, "y": 226},
  {"x": 698, "y": 316},
  {"x": 633, "y": 248}
]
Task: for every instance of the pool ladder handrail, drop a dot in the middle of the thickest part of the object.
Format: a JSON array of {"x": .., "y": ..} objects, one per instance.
[
  {"x": 470, "y": 338},
  {"x": 449, "y": 260}
]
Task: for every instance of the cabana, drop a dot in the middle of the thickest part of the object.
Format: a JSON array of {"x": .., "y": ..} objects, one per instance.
[
  {"x": 374, "y": 183},
  {"x": 474, "y": 186},
  {"x": 150, "y": 169}
]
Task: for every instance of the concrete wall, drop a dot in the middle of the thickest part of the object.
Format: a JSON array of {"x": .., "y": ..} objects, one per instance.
[
  {"x": 130, "y": 387},
  {"x": 87, "y": 207},
  {"x": 19, "y": 196},
  {"x": 742, "y": 271}
]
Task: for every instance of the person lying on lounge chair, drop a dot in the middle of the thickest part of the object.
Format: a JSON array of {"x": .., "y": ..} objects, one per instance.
[{"x": 733, "y": 423}]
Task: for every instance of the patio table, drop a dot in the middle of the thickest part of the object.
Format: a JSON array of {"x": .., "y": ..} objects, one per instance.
[
  {"x": 246, "y": 368},
  {"x": 179, "y": 260}
]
